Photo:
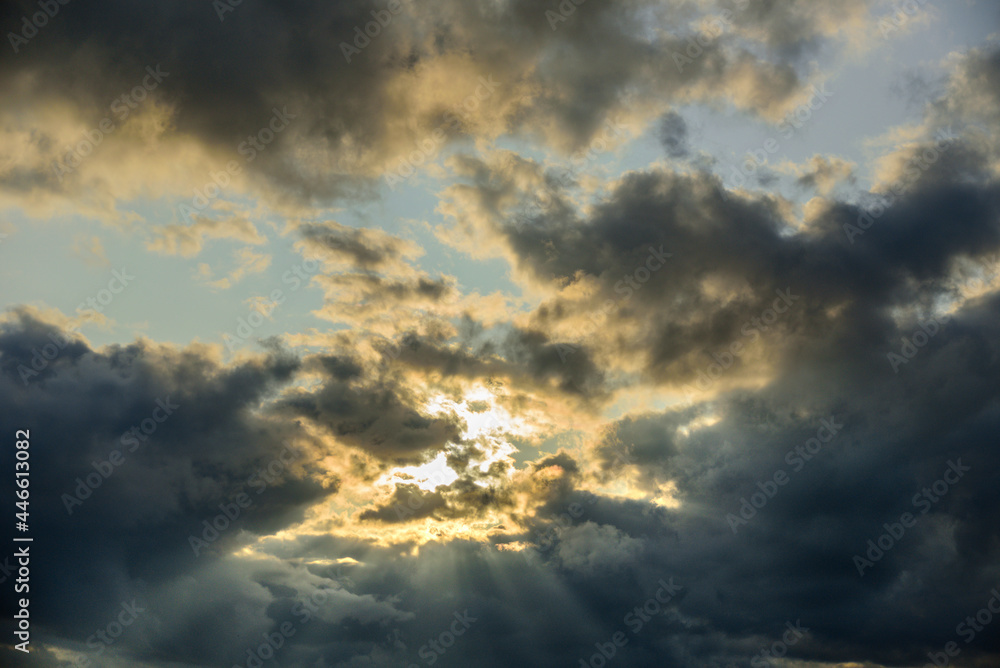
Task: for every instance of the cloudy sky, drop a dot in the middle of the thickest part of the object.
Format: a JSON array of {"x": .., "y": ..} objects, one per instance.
[{"x": 502, "y": 332}]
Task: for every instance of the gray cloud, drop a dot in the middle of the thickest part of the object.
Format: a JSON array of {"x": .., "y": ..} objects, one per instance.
[{"x": 734, "y": 493}]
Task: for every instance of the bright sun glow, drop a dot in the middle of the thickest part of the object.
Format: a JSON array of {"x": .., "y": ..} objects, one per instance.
[
  {"x": 487, "y": 425},
  {"x": 425, "y": 476}
]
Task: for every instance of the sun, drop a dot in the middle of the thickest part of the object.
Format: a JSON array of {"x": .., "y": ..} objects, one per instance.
[
  {"x": 488, "y": 425},
  {"x": 425, "y": 476}
]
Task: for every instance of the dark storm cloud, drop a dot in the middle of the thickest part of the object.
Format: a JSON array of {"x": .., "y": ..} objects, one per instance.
[
  {"x": 462, "y": 499},
  {"x": 897, "y": 439},
  {"x": 376, "y": 411},
  {"x": 673, "y": 135},
  {"x": 562, "y": 460},
  {"x": 225, "y": 78},
  {"x": 793, "y": 558},
  {"x": 642, "y": 442},
  {"x": 379, "y": 415},
  {"x": 943, "y": 211},
  {"x": 528, "y": 358},
  {"x": 129, "y": 529},
  {"x": 545, "y": 361},
  {"x": 408, "y": 502},
  {"x": 791, "y": 563},
  {"x": 856, "y": 437},
  {"x": 899, "y": 431}
]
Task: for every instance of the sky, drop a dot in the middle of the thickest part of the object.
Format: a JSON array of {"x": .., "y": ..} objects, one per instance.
[{"x": 500, "y": 332}]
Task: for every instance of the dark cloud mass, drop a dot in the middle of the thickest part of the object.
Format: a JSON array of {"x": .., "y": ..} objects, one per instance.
[
  {"x": 349, "y": 119},
  {"x": 665, "y": 419},
  {"x": 673, "y": 135}
]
